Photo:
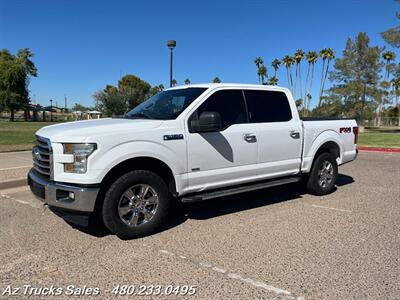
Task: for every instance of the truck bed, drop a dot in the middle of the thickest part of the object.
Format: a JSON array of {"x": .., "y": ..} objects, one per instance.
[{"x": 338, "y": 130}]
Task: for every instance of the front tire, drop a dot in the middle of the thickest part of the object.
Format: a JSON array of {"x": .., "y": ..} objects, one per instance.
[
  {"x": 137, "y": 204},
  {"x": 323, "y": 175}
]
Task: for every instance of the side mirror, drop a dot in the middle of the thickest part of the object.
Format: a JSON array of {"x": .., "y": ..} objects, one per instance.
[{"x": 208, "y": 121}]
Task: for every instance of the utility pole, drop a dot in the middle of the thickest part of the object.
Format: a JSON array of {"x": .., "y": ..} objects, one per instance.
[
  {"x": 65, "y": 101},
  {"x": 171, "y": 45}
]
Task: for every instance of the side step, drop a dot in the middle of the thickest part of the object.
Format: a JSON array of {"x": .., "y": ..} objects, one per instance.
[{"x": 237, "y": 189}]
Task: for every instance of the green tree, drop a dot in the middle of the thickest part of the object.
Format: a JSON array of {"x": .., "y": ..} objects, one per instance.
[
  {"x": 272, "y": 80},
  {"x": 110, "y": 101},
  {"x": 327, "y": 54},
  {"x": 288, "y": 61},
  {"x": 156, "y": 89},
  {"x": 298, "y": 57},
  {"x": 276, "y": 64},
  {"x": 312, "y": 58},
  {"x": 187, "y": 81},
  {"x": 80, "y": 107},
  {"x": 133, "y": 89},
  {"x": 262, "y": 73},
  {"x": 216, "y": 80},
  {"x": 356, "y": 76},
  {"x": 392, "y": 35},
  {"x": 396, "y": 87},
  {"x": 174, "y": 82},
  {"x": 15, "y": 73},
  {"x": 332, "y": 106},
  {"x": 130, "y": 92},
  {"x": 388, "y": 57},
  {"x": 259, "y": 62},
  {"x": 23, "y": 57}
]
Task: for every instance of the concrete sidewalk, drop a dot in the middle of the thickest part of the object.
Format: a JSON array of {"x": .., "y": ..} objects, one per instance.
[{"x": 14, "y": 167}]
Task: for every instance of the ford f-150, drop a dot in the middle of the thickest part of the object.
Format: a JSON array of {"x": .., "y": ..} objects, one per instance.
[{"x": 190, "y": 143}]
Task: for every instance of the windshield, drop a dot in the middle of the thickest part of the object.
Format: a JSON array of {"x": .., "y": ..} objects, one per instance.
[{"x": 166, "y": 105}]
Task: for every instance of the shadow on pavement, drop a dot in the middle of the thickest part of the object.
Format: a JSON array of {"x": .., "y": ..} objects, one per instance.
[
  {"x": 344, "y": 180},
  {"x": 221, "y": 206}
]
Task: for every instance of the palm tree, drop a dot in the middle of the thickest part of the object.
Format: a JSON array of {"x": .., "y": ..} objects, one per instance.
[
  {"x": 312, "y": 58},
  {"x": 174, "y": 82},
  {"x": 259, "y": 62},
  {"x": 216, "y": 80},
  {"x": 187, "y": 81},
  {"x": 396, "y": 87},
  {"x": 298, "y": 57},
  {"x": 275, "y": 64},
  {"x": 262, "y": 73},
  {"x": 327, "y": 55},
  {"x": 273, "y": 80},
  {"x": 288, "y": 62},
  {"x": 388, "y": 56}
]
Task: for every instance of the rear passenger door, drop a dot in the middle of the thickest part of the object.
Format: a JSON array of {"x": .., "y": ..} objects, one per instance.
[
  {"x": 225, "y": 157},
  {"x": 278, "y": 133}
]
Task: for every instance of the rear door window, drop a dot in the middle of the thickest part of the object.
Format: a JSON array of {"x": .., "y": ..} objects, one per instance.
[{"x": 267, "y": 106}]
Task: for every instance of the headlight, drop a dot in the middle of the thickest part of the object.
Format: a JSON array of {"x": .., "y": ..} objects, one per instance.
[{"x": 81, "y": 153}]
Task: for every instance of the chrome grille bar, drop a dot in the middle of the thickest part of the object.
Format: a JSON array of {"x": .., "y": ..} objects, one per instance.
[{"x": 42, "y": 157}]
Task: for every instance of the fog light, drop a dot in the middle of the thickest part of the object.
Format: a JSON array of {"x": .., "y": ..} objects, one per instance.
[{"x": 71, "y": 195}]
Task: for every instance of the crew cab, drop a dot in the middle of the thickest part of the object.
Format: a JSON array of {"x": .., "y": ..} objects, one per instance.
[{"x": 191, "y": 143}]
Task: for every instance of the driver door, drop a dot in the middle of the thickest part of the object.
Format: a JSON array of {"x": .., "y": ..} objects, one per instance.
[{"x": 224, "y": 157}]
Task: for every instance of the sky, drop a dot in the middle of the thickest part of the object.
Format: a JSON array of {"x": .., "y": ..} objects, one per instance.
[{"x": 80, "y": 46}]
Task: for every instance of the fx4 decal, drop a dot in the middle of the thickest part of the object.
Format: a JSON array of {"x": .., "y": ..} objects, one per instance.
[{"x": 345, "y": 130}]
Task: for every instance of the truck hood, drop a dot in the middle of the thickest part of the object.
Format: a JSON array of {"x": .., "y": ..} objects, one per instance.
[{"x": 82, "y": 131}]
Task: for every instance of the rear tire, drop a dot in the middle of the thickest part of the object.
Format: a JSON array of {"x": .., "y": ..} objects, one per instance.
[
  {"x": 137, "y": 204},
  {"x": 323, "y": 175}
]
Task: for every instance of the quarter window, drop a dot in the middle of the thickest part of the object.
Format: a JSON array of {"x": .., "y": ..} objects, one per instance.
[{"x": 267, "y": 106}]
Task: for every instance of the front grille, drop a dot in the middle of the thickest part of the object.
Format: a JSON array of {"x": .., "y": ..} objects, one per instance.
[{"x": 42, "y": 156}]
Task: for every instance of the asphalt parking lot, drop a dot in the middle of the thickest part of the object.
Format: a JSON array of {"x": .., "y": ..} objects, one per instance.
[{"x": 279, "y": 243}]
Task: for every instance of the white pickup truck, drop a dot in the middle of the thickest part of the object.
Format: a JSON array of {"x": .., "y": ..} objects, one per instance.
[{"x": 190, "y": 143}]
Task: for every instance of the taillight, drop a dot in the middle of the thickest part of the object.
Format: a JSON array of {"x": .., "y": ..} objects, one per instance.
[{"x": 355, "y": 131}]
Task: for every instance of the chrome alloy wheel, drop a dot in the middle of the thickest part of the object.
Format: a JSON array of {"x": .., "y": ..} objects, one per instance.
[
  {"x": 325, "y": 174},
  {"x": 138, "y": 205}
]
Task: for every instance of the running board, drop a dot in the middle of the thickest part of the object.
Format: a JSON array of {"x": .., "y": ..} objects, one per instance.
[{"x": 237, "y": 189}]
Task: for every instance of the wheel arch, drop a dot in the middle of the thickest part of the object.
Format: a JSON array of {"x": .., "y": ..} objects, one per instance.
[
  {"x": 330, "y": 147},
  {"x": 328, "y": 141},
  {"x": 137, "y": 163}
]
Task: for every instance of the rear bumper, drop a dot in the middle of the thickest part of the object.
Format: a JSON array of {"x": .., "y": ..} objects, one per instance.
[
  {"x": 71, "y": 197},
  {"x": 349, "y": 156}
]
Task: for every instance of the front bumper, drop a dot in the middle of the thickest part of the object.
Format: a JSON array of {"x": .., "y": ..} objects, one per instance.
[{"x": 58, "y": 194}]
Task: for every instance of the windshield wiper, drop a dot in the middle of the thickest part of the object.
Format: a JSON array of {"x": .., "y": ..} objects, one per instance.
[{"x": 140, "y": 115}]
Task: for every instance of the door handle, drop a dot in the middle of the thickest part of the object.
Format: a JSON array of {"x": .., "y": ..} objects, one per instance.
[
  {"x": 294, "y": 134},
  {"x": 250, "y": 137}
]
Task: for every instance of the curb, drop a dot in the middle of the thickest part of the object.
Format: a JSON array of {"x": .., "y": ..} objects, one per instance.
[
  {"x": 13, "y": 183},
  {"x": 379, "y": 149}
]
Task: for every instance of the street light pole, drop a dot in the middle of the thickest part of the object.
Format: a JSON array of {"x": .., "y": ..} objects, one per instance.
[
  {"x": 171, "y": 45},
  {"x": 51, "y": 110}
]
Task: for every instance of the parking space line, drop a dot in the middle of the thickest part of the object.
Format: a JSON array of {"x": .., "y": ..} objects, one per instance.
[
  {"x": 21, "y": 261},
  {"x": 235, "y": 276},
  {"x": 14, "y": 168},
  {"x": 332, "y": 208},
  {"x": 20, "y": 201}
]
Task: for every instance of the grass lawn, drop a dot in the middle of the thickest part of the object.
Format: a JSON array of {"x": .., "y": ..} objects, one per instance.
[
  {"x": 379, "y": 139},
  {"x": 18, "y": 135}
]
